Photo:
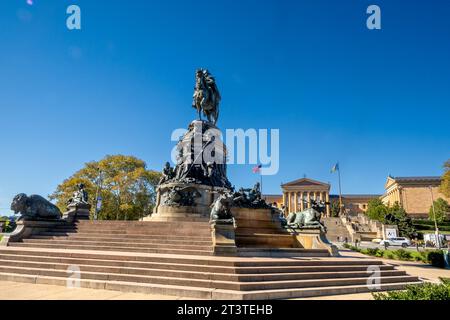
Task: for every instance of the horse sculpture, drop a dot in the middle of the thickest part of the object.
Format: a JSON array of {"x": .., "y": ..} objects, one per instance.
[{"x": 206, "y": 96}]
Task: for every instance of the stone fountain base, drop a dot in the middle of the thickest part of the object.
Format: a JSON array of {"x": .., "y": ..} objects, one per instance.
[{"x": 201, "y": 195}]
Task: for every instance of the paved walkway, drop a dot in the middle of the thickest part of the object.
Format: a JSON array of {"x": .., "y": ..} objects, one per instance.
[
  {"x": 27, "y": 291},
  {"x": 419, "y": 269}
]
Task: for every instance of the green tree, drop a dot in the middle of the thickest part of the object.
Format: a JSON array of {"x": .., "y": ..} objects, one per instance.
[
  {"x": 334, "y": 210},
  {"x": 395, "y": 215},
  {"x": 398, "y": 216},
  {"x": 445, "y": 184},
  {"x": 126, "y": 186},
  {"x": 442, "y": 208},
  {"x": 376, "y": 210}
]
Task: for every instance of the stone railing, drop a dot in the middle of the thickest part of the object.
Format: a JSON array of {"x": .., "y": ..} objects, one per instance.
[{"x": 367, "y": 223}]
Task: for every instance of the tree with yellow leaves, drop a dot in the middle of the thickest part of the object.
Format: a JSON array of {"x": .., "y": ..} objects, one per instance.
[{"x": 125, "y": 185}]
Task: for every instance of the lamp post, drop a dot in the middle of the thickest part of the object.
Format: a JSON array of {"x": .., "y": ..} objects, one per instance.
[
  {"x": 438, "y": 240},
  {"x": 98, "y": 198}
]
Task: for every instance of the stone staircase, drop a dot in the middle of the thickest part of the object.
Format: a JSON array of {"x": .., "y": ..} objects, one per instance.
[
  {"x": 175, "y": 258},
  {"x": 259, "y": 234},
  {"x": 335, "y": 229},
  {"x": 126, "y": 236},
  {"x": 196, "y": 276}
]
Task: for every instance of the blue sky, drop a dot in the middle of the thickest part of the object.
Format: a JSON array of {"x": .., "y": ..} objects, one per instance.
[{"x": 377, "y": 101}]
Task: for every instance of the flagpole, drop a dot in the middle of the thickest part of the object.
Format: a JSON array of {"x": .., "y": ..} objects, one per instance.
[
  {"x": 340, "y": 193},
  {"x": 260, "y": 177}
]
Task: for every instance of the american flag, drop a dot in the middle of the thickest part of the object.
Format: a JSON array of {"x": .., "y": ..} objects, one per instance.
[{"x": 257, "y": 169}]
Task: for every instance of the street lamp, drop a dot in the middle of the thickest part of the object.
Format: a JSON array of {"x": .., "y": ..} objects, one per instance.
[
  {"x": 438, "y": 240},
  {"x": 98, "y": 197}
]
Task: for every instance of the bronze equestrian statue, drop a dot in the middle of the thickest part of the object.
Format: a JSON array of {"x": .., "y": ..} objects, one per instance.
[{"x": 206, "y": 96}]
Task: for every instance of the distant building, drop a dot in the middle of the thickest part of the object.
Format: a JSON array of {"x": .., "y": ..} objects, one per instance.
[
  {"x": 412, "y": 193},
  {"x": 295, "y": 194},
  {"x": 355, "y": 203}
]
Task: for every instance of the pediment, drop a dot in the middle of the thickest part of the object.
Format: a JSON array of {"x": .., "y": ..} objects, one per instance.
[
  {"x": 389, "y": 182},
  {"x": 305, "y": 182}
]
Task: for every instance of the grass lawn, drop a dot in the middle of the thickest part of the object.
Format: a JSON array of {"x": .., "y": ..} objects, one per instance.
[{"x": 434, "y": 257}]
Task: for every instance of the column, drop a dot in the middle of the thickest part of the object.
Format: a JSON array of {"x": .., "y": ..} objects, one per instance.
[
  {"x": 289, "y": 202},
  {"x": 284, "y": 199},
  {"x": 302, "y": 205},
  {"x": 309, "y": 197},
  {"x": 400, "y": 196},
  {"x": 296, "y": 201}
]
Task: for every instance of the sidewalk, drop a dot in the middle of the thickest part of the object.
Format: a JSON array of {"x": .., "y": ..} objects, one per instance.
[
  {"x": 424, "y": 271},
  {"x": 28, "y": 291}
]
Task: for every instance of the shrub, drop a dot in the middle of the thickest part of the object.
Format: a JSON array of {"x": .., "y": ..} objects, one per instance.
[
  {"x": 389, "y": 255},
  {"x": 351, "y": 247},
  {"x": 373, "y": 251},
  {"x": 436, "y": 258},
  {"x": 403, "y": 254},
  {"x": 424, "y": 291}
]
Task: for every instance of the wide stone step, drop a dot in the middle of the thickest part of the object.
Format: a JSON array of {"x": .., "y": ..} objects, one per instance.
[
  {"x": 187, "y": 266},
  {"x": 320, "y": 291},
  {"x": 208, "y": 282},
  {"x": 123, "y": 244},
  {"x": 184, "y": 240},
  {"x": 195, "y": 273},
  {"x": 203, "y": 293},
  {"x": 113, "y": 248},
  {"x": 181, "y": 232},
  {"x": 51, "y": 234},
  {"x": 309, "y": 269},
  {"x": 281, "y": 252},
  {"x": 169, "y": 265},
  {"x": 137, "y": 228},
  {"x": 309, "y": 283},
  {"x": 191, "y": 292},
  {"x": 131, "y": 224},
  {"x": 237, "y": 262}
]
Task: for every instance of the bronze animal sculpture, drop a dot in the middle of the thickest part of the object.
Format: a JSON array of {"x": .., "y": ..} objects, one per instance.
[
  {"x": 34, "y": 207},
  {"x": 221, "y": 207},
  {"x": 308, "y": 218}
]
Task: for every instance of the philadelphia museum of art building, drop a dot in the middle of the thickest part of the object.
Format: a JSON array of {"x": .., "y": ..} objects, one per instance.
[{"x": 414, "y": 194}]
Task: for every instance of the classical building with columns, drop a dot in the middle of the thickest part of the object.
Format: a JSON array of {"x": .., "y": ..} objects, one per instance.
[
  {"x": 295, "y": 197},
  {"x": 296, "y": 194},
  {"x": 412, "y": 193}
]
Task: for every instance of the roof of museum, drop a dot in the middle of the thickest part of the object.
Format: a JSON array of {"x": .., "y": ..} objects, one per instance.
[
  {"x": 417, "y": 178},
  {"x": 355, "y": 196},
  {"x": 305, "y": 181}
]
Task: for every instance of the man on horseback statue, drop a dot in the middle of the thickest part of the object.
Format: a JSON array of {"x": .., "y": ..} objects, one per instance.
[{"x": 206, "y": 96}]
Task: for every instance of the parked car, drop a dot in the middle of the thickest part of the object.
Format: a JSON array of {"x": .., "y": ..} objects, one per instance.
[{"x": 400, "y": 241}]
